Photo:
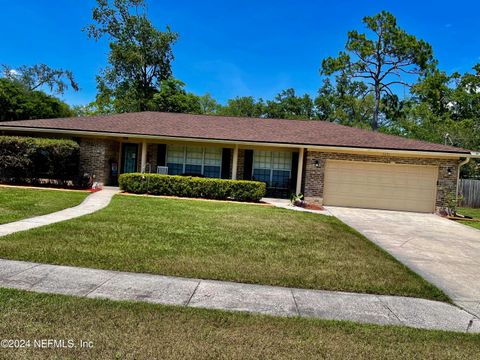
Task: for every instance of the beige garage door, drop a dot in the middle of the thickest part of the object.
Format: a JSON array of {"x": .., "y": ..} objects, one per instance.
[{"x": 380, "y": 186}]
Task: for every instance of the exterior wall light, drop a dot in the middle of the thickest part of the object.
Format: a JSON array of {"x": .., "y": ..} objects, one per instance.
[
  {"x": 317, "y": 163},
  {"x": 449, "y": 171}
]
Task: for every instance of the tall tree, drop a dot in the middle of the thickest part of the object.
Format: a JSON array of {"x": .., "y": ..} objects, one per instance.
[
  {"x": 19, "y": 103},
  {"x": 243, "y": 106},
  {"x": 443, "y": 109},
  {"x": 140, "y": 55},
  {"x": 39, "y": 76},
  {"x": 208, "y": 105},
  {"x": 172, "y": 97},
  {"x": 345, "y": 102},
  {"x": 287, "y": 105},
  {"x": 391, "y": 57}
]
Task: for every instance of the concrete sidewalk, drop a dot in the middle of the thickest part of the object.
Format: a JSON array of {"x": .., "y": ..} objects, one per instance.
[
  {"x": 272, "y": 300},
  {"x": 92, "y": 203}
]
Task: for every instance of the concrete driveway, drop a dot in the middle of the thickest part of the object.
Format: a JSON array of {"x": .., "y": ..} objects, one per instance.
[{"x": 444, "y": 252}]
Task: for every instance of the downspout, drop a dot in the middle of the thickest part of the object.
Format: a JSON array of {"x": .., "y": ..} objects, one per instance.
[{"x": 464, "y": 162}]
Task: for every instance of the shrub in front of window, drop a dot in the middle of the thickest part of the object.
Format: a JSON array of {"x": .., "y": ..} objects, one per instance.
[
  {"x": 27, "y": 160},
  {"x": 187, "y": 186}
]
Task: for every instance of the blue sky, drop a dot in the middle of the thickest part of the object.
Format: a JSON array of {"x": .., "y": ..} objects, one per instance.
[{"x": 230, "y": 48}]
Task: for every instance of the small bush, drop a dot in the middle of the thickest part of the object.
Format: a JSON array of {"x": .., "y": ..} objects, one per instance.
[
  {"x": 26, "y": 159},
  {"x": 188, "y": 186}
]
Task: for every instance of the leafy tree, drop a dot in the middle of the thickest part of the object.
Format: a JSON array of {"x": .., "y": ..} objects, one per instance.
[
  {"x": 89, "y": 109},
  {"x": 287, "y": 105},
  {"x": 208, "y": 105},
  {"x": 37, "y": 76},
  {"x": 140, "y": 55},
  {"x": 19, "y": 103},
  {"x": 382, "y": 61},
  {"x": 443, "y": 109},
  {"x": 243, "y": 106},
  {"x": 346, "y": 102},
  {"x": 172, "y": 97},
  {"x": 465, "y": 99}
]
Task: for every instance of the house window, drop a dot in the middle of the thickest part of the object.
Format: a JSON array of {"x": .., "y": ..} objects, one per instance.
[
  {"x": 194, "y": 160},
  {"x": 273, "y": 168},
  {"x": 175, "y": 159},
  {"x": 212, "y": 162}
]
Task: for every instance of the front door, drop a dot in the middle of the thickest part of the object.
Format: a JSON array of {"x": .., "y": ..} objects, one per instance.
[{"x": 129, "y": 158}]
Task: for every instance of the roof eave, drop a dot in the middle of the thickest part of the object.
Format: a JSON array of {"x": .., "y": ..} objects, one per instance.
[{"x": 233, "y": 142}]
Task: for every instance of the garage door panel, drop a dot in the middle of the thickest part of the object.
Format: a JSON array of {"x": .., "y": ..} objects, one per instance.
[{"x": 381, "y": 186}]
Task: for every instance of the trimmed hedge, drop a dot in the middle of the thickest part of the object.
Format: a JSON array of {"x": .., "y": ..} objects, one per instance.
[
  {"x": 27, "y": 159},
  {"x": 188, "y": 186}
]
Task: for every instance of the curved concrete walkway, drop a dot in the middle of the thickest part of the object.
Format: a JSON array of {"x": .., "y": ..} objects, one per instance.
[
  {"x": 92, "y": 203},
  {"x": 271, "y": 300}
]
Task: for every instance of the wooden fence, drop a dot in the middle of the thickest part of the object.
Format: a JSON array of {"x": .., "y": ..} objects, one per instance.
[{"x": 470, "y": 189}]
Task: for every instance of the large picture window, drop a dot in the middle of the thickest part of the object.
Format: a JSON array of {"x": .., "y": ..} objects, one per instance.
[
  {"x": 273, "y": 168},
  {"x": 194, "y": 160}
]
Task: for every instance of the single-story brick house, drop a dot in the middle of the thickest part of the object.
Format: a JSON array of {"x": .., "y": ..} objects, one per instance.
[{"x": 329, "y": 163}]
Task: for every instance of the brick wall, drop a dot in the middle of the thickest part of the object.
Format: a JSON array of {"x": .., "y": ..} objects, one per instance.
[
  {"x": 152, "y": 150},
  {"x": 96, "y": 156},
  {"x": 240, "y": 164},
  {"x": 314, "y": 176}
]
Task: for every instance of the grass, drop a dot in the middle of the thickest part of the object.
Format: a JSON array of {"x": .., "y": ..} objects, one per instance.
[
  {"x": 126, "y": 330},
  {"x": 18, "y": 203},
  {"x": 474, "y": 213},
  {"x": 219, "y": 240}
]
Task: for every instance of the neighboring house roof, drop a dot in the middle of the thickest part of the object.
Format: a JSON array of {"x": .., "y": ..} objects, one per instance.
[{"x": 238, "y": 129}]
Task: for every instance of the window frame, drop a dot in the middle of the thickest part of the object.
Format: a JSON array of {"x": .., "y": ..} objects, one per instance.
[
  {"x": 271, "y": 168},
  {"x": 184, "y": 162}
]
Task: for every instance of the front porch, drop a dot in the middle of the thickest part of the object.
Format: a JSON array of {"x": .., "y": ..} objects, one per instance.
[{"x": 280, "y": 168}]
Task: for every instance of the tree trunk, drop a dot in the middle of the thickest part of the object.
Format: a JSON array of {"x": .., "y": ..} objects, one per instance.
[{"x": 376, "y": 110}]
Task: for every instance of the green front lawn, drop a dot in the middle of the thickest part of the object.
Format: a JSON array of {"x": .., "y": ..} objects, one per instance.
[
  {"x": 474, "y": 213},
  {"x": 125, "y": 330},
  {"x": 21, "y": 203},
  {"x": 220, "y": 240}
]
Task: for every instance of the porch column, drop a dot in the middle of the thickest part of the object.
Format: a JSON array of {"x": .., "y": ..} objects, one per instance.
[
  {"x": 299, "y": 171},
  {"x": 235, "y": 162},
  {"x": 143, "y": 163}
]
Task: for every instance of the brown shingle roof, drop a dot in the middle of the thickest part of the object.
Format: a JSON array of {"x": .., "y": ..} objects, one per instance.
[{"x": 320, "y": 133}]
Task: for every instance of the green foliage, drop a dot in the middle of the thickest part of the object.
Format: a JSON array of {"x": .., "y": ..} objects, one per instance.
[
  {"x": 208, "y": 105},
  {"x": 287, "y": 105},
  {"x": 19, "y": 103},
  {"x": 140, "y": 55},
  {"x": 382, "y": 61},
  {"x": 243, "y": 106},
  {"x": 90, "y": 109},
  {"x": 451, "y": 203},
  {"x": 41, "y": 75},
  {"x": 172, "y": 97},
  {"x": 187, "y": 186},
  {"x": 346, "y": 102},
  {"x": 296, "y": 199},
  {"x": 443, "y": 109},
  {"x": 25, "y": 159}
]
